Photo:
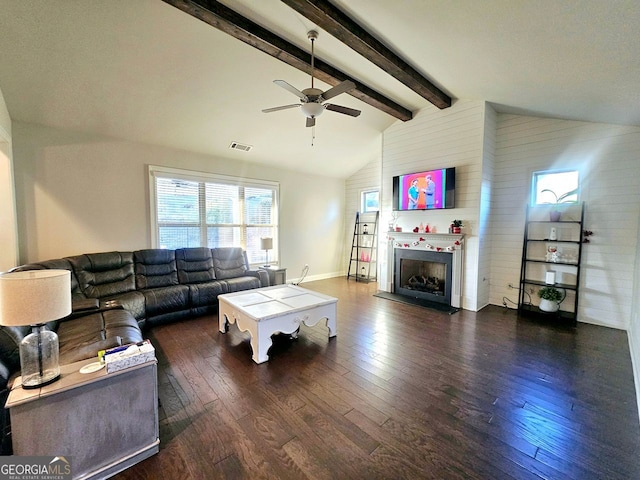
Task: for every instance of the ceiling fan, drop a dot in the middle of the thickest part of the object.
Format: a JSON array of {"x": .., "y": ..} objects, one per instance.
[{"x": 312, "y": 98}]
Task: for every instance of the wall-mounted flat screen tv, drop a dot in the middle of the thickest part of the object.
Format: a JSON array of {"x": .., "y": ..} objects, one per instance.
[{"x": 428, "y": 190}]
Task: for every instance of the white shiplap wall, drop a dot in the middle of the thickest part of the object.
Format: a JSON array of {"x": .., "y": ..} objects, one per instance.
[
  {"x": 367, "y": 178},
  {"x": 607, "y": 157},
  {"x": 439, "y": 139},
  {"x": 484, "y": 218}
]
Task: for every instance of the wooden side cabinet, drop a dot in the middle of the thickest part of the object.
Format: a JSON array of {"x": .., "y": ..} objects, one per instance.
[
  {"x": 104, "y": 422},
  {"x": 277, "y": 275}
]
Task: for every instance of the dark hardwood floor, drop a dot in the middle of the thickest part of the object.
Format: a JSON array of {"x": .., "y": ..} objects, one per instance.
[{"x": 401, "y": 392}]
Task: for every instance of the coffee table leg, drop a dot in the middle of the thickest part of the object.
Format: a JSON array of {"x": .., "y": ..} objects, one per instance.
[
  {"x": 332, "y": 319},
  {"x": 260, "y": 344},
  {"x": 223, "y": 323},
  {"x": 332, "y": 325}
]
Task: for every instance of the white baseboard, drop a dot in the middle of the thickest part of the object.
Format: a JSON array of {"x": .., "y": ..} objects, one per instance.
[
  {"x": 312, "y": 278},
  {"x": 634, "y": 350}
]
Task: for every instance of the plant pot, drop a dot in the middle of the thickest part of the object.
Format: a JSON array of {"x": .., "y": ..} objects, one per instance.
[
  {"x": 549, "y": 305},
  {"x": 554, "y": 216}
]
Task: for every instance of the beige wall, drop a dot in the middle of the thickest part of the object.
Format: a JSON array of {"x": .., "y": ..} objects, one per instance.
[
  {"x": 79, "y": 193},
  {"x": 8, "y": 227}
]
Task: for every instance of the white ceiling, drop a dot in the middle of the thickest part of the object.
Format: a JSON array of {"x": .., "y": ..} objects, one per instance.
[{"x": 145, "y": 71}]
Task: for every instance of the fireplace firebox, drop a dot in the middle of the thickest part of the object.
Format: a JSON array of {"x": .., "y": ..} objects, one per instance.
[{"x": 423, "y": 274}]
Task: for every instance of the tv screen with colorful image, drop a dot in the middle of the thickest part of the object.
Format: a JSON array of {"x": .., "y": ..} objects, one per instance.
[{"x": 428, "y": 190}]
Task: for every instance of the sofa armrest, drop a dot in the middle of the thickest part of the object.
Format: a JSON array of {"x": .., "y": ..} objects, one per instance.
[
  {"x": 89, "y": 350},
  {"x": 84, "y": 304},
  {"x": 89, "y": 306},
  {"x": 261, "y": 275}
]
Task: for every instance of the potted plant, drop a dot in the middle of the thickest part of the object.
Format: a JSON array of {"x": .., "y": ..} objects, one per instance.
[
  {"x": 550, "y": 299},
  {"x": 456, "y": 226},
  {"x": 554, "y": 215}
]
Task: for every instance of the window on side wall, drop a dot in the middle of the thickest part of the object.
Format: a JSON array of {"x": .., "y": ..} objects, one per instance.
[
  {"x": 370, "y": 201},
  {"x": 192, "y": 209},
  {"x": 553, "y": 186}
]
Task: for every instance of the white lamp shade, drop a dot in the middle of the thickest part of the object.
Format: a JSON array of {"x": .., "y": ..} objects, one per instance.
[
  {"x": 34, "y": 297},
  {"x": 266, "y": 243}
]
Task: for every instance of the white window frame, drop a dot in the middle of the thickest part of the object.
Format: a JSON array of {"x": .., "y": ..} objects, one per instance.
[
  {"x": 363, "y": 207},
  {"x": 155, "y": 171},
  {"x": 534, "y": 182}
]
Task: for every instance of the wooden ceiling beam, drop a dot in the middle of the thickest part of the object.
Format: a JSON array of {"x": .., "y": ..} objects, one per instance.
[
  {"x": 337, "y": 23},
  {"x": 223, "y": 18}
]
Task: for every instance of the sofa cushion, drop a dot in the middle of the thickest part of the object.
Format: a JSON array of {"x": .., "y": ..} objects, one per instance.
[
  {"x": 155, "y": 268},
  {"x": 206, "y": 294},
  {"x": 195, "y": 265},
  {"x": 82, "y": 337},
  {"x": 229, "y": 262},
  {"x": 166, "y": 299},
  {"x": 104, "y": 274}
]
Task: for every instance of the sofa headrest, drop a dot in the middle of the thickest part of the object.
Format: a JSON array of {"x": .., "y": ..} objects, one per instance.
[
  {"x": 229, "y": 262},
  {"x": 104, "y": 274},
  {"x": 58, "y": 263},
  {"x": 195, "y": 265},
  {"x": 155, "y": 268}
]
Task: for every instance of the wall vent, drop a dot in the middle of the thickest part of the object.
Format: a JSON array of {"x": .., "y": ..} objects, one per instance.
[{"x": 240, "y": 146}]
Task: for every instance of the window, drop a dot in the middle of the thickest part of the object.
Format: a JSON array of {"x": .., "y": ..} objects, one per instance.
[
  {"x": 190, "y": 209},
  {"x": 555, "y": 187},
  {"x": 370, "y": 201}
]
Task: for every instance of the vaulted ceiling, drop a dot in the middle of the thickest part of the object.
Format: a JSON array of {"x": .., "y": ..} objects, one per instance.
[{"x": 149, "y": 72}]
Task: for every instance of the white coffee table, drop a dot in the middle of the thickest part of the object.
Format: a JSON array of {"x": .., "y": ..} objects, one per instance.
[{"x": 278, "y": 309}]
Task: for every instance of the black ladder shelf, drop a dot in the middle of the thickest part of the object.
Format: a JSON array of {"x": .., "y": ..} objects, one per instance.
[
  {"x": 364, "y": 247},
  {"x": 538, "y": 259}
]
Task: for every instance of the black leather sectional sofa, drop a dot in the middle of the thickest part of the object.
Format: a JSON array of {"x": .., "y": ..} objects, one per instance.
[{"x": 118, "y": 294}]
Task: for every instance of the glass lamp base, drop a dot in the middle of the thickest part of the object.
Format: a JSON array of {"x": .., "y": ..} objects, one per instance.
[
  {"x": 39, "y": 354},
  {"x": 37, "y": 381}
]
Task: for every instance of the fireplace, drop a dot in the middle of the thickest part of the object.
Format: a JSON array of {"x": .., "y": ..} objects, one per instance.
[
  {"x": 423, "y": 274},
  {"x": 444, "y": 248}
]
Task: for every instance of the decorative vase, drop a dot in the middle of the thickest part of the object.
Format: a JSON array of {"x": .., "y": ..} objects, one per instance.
[
  {"x": 554, "y": 216},
  {"x": 457, "y": 229},
  {"x": 549, "y": 305}
]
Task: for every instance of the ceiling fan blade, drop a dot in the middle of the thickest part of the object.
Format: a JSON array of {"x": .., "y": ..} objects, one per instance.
[
  {"x": 340, "y": 109},
  {"x": 284, "y": 107},
  {"x": 338, "y": 89},
  {"x": 292, "y": 89},
  {"x": 311, "y": 121}
]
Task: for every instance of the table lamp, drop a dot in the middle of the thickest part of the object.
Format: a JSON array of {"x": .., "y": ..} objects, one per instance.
[
  {"x": 34, "y": 298},
  {"x": 266, "y": 244}
]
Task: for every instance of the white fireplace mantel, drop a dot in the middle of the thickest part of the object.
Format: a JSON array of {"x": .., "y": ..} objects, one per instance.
[{"x": 447, "y": 243}]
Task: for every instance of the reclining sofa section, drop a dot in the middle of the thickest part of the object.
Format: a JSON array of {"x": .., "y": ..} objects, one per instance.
[
  {"x": 152, "y": 286},
  {"x": 158, "y": 285}
]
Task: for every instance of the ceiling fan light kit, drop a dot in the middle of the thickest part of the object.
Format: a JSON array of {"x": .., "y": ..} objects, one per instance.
[
  {"x": 312, "y": 99},
  {"x": 312, "y": 110}
]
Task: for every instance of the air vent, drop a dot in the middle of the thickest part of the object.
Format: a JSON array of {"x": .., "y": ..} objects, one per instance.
[{"x": 240, "y": 146}]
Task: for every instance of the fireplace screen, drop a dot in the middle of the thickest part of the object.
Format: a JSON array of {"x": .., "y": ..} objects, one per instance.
[{"x": 421, "y": 276}]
